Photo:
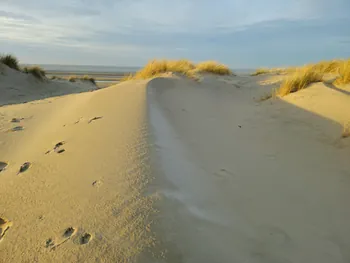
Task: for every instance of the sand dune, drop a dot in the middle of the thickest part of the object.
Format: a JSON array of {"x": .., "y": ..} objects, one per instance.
[
  {"x": 17, "y": 87},
  {"x": 173, "y": 170},
  {"x": 90, "y": 193},
  {"x": 252, "y": 182}
]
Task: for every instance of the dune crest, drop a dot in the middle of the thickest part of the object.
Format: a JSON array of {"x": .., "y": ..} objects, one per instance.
[{"x": 73, "y": 179}]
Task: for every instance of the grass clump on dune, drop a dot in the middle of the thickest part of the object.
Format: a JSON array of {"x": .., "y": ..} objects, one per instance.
[
  {"x": 213, "y": 67},
  {"x": 36, "y": 71},
  {"x": 127, "y": 77},
  {"x": 85, "y": 78},
  {"x": 344, "y": 73},
  {"x": 88, "y": 78},
  {"x": 156, "y": 67},
  {"x": 185, "y": 67},
  {"x": 261, "y": 71},
  {"x": 327, "y": 66},
  {"x": 10, "y": 61},
  {"x": 299, "y": 80},
  {"x": 301, "y": 77},
  {"x": 72, "y": 79}
]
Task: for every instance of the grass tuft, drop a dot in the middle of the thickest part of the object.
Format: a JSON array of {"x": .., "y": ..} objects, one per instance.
[
  {"x": 10, "y": 61},
  {"x": 327, "y": 66},
  {"x": 72, "y": 79},
  {"x": 214, "y": 68},
  {"x": 157, "y": 67},
  {"x": 85, "y": 78},
  {"x": 88, "y": 78},
  {"x": 261, "y": 71},
  {"x": 36, "y": 71},
  {"x": 299, "y": 80},
  {"x": 344, "y": 73},
  {"x": 127, "y": 77},
  {"x": 184, "y": 67},
  {"x": 56, "y": 78}
]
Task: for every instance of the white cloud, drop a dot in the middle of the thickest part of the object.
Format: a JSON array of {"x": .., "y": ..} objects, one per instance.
[
  {"x": 179, "y": 16},
  {"x": 150, "y": 26}
]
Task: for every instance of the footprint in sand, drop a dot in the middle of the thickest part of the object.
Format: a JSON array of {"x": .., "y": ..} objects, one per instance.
[
  {"x": 16, "y": 120},
  {"x": 3, "y": 166},
  {"x": 57, "y": 148},
  {"x": 78, "y": 120},
  {"x": 97, "y": 183},
  {"x": 49, "y": 243},
  {"x": 95, "y": 118},
  {"x": 4, "y": 227},
  {"x": 85, "y": 239},
  {"x": 68, "y": 234},
  {"x": 70, "y": 231},
  {"x": 17, "y": 128},
  {"x": 58, "y": 145},
  {"x": 24, "y": 167}
]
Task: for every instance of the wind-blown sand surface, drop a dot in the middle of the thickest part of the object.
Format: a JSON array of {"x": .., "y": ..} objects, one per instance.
[{"x": 171, "y": 170}]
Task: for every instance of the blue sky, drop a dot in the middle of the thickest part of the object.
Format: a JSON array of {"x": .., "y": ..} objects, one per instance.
[{"x": 240, "y": 33}]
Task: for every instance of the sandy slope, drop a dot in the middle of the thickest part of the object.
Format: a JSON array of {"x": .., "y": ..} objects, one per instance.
[
  {"x": 251, "y": 182},
  {"x": 238, "y": 180},
  {"x": 96, "y": 186},
  {"x": 18, "y": 87}
]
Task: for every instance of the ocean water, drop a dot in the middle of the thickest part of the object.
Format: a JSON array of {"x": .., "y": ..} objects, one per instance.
[
  {"x": 110, "y": 69},
  {"x": 84, "y": 68}
]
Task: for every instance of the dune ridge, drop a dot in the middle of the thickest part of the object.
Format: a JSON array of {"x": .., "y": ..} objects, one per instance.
[{"x": 87, "y": 175}]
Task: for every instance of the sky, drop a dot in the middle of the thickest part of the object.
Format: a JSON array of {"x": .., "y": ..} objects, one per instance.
[{"x": 239, "y": 33}]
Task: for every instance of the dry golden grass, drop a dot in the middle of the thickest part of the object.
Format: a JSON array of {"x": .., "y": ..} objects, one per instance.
[
  {"x": 127, "y": 77},
  {"x": 302, "y": 77},
  {"x": 85, "y": 78},
  {"x": 261, "y": 71},
  {"x": 344, "y": 73},
  {"x": 299, "y": 80},
  {"x": 184, "y": 67},
  {"x": 327, "y": 66},
  {"x": 10, "y": 61},
  {"x": 72, "y": 79},
  {"x": 214, "y": 68},
  {"x": 88, "y": 78},
  {"x": 36, "y": 71},
  {"x": 157, "y": 67}
]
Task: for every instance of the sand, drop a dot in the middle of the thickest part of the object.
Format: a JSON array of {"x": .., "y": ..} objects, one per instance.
[
  {"x": 21, "y": 88},
  {"x": 96, "y": 186},
  {"x": 173, "y": 170}
]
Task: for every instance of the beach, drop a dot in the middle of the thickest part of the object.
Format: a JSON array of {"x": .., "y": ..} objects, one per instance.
[
  {"x": 173, "y": 169},
  {"x": 104, "y": 76}
]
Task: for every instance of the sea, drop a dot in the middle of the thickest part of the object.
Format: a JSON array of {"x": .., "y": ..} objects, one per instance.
[
  {"x": 86, "y": 68},
  {"x": 109, "y": 69}
]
